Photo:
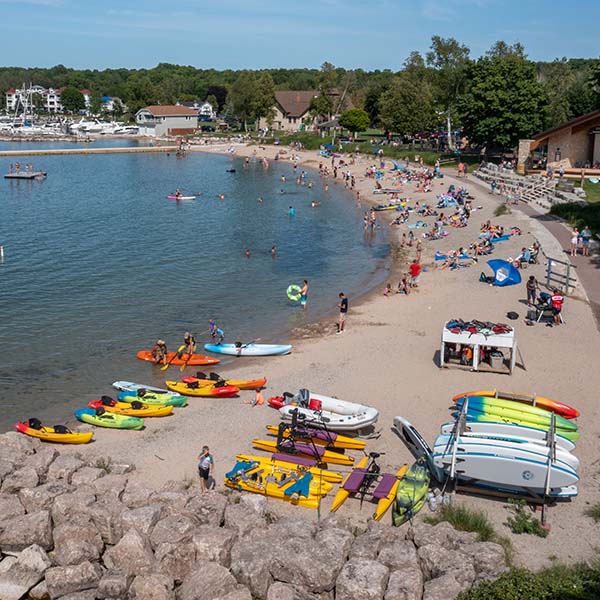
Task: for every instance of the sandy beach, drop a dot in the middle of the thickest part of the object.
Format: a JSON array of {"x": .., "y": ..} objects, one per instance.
[{"x": 388, "y": 357}]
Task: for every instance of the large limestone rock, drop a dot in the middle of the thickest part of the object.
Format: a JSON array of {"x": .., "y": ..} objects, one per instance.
[
  {"x": 292, "y": 527},
  {"x": 6, "y": 468},
  {"x": 18, "y": 575},
  {"x": 251, "y": 561},
  {"x": 106, "y": 516},
  {"x": 208, "y": 581},
  {"x": 405, "y": 584},
  {"x": 10, "y": 506},
  {"x": 362, "y": 580},
  {"x": 76, "y": 542},
  {"x": 398, "y": 554},
  {"x": 176, "y": 560},
  {"x": 41, "y": 460},
  {"x": 26, "y": 530},
  {"x": 366, "y": 546},
  {"x": 174, "y": 529},
  {"x": 70, "y": 506},
  {"x": 173, "y": 502},
  {"x": 132, "y": 555},
  {"x": 243, "y": 519},
  {"x": 136, "y": 494},
  {"x": 68, "y": 580},
  {"x": 18, "y": 445},
  {"x": 110, "y": 486},
  {"x": 285, "y": 591},
  {"x": 442, "y": 534},
  {"x": 256, "y": 503},
  {"x": 209, "y": 509},
  {"x": 39, "y": 592},
  {"x": 63, "y": 467},
  {"x": 25, "y": 477},
  {"x": 87, "y": 476},
  {"x": 83, "y": 595},
  {"x": 314, "y": 564},
  {"x": 121, "y": 468},
  {"x": 143, "y": 518},
  {"x": 443, "y": 588},
  {"x": 42, "y": 497},
  {"x": 114, "y": 585},
  {"x": 437, "y": 561},
  {"x": 214, "y": 544},
  {"x": 152, "y": 587},
  {"x": 489, "y": 559}
]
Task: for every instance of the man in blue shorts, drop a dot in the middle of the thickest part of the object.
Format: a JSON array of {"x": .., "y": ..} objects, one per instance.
[{"x": 304, "y": 294}]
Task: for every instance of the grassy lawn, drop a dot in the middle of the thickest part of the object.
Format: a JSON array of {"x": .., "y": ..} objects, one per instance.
[{"x": 592, "y": 191}]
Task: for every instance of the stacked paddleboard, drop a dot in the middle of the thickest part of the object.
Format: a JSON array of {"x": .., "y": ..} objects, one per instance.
[{"x": 504, "y": 442}]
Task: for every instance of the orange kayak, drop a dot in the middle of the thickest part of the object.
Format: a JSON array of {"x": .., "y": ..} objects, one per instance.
[
  {"x": 564, "y": 410},
  {"x": 196, "y": 360}
]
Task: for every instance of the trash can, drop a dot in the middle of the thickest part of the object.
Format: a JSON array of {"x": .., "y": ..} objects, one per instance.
[{"x": 496, "y": 360}]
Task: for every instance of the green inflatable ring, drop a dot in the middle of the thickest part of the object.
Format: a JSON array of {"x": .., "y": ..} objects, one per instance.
[{"x": 293, "y": 292}]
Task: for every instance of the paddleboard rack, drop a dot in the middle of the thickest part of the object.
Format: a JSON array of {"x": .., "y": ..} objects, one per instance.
[{"x": 474, "y": 486}]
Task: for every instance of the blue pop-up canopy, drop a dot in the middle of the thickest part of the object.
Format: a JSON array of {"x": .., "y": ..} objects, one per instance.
[{"x": 504, "y": 272}]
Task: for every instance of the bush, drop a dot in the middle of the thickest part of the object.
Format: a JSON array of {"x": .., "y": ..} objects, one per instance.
[
  {"x": 594, "y": 512},
  {"x": 501, "y": 209},
  {"x": 579, "y": 214},
  {"x": 521, "y": 520},
  {"x": 581, "y": 582}
]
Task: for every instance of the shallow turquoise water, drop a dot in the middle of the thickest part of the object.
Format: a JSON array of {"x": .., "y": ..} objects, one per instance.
[{"x": 98, "y": 264}]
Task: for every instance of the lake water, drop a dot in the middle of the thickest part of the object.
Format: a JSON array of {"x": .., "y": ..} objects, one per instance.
[{"x": 99, "y": 264}]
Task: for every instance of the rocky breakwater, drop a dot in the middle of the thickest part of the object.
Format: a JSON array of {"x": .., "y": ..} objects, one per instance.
[{"x": 74, "y": 531}]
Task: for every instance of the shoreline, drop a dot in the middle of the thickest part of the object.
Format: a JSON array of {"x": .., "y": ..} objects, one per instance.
[{"x": 387, "y": 358}]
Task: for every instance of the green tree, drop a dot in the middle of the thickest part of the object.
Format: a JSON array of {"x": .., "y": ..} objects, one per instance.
[
  {"x": 449, "y": 59},
  {"x": 72, "y": 99},
  {"x": 355, "y": 119},
  {"x": 505, "y": 102},
  {"x": 212, "y": 100},
  {"x": 321, "y": 106},
  {"x": 264, "y": 101},
  {"x": 558, "y": 81},
  {"x": 244, "y": 93},
  {"x": 407, "y": 107},
  {"x": 95, "y": 102}
]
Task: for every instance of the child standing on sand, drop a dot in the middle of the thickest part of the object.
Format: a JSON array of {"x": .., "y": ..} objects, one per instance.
[{"x": 388, "y": 289}]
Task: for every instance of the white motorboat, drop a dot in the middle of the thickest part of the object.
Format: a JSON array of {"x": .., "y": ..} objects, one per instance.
[{"x": 328, "y": 412}]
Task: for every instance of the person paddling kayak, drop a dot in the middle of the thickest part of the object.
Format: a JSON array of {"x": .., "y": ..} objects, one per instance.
[
  {"x": 216, "y": 333},
  {"x": 177, "y": 194},
  {"x": 160, "y": 352},
  {"x": 189, "y": 342}
]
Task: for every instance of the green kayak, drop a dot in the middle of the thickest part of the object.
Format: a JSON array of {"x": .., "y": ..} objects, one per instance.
[
  {"x": 106, "y": 419},
  {"x": 411, "y": 494},
  {"x": 153, "y": 398}
]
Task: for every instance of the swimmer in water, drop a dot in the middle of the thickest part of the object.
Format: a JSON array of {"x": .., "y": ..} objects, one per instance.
[
  {"x": 221, "y": 196},
  {"x": 248, "y": 253},
  {"x": 273, "y": 250},
  {"x": 260, "y": 199}
]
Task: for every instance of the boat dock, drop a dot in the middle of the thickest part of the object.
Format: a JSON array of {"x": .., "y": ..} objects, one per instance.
[
  {"x": 26, "y": 175},
  {"x": 62, "y": 151}
]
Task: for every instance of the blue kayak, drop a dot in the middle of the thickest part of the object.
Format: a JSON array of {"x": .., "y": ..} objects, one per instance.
[{"x": 249, "y": 349}]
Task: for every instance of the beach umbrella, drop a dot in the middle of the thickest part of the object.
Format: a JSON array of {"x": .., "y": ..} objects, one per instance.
[{"x": 504, "y": 272}]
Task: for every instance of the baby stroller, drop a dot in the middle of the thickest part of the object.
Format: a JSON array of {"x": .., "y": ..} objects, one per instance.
[{"x": 543, "y": 308}]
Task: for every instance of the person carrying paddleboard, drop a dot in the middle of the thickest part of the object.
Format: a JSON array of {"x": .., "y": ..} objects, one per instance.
[
  {"x": 189, "y": 342},
  {"x": 160, "y": 352}
]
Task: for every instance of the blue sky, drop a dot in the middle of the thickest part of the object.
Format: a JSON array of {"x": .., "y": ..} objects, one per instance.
[{"x": 370, "y": 34}]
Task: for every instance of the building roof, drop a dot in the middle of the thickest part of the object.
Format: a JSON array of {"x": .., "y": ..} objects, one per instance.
[
  {"x": 588, "y": 120},
  {"x": 86, "y": 92},
  {"x": 169, "y": 110},
  {"x": 11, "y": 91},
  {"x": 295, "y": 103}
]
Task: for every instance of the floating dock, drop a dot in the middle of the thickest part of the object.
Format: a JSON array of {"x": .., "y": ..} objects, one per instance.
[
  {"x": 26, "y": 175},
  {"x": 62, "y": 151}
]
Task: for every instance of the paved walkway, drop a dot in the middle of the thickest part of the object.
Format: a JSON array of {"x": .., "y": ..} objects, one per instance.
[{"x": 588, "y": 267}]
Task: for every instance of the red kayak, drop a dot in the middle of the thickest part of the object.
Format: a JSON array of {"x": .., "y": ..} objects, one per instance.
[{"x": 196, "y": 360}]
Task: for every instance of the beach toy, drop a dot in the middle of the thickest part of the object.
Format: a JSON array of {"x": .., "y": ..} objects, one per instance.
[
  {"x": 293, "y": 292},
  {"x": 593, "y": 180}
]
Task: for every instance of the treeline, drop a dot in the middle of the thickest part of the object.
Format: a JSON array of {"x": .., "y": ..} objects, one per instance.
[{"x": 496, "y": 99}]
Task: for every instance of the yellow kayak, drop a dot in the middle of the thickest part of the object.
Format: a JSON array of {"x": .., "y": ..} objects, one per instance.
[
  {"x": 49, "y": 434},
  {"x": 322, "y": 437},
  {"x": 132, "y": 410},
  {"x": 342, "y": 493},
  {"x": 386, "y": 501},
  {"x": 330, "y": 476},
  {"x": 212, "y": 391},
  {"x": 318, "y": 453}
]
